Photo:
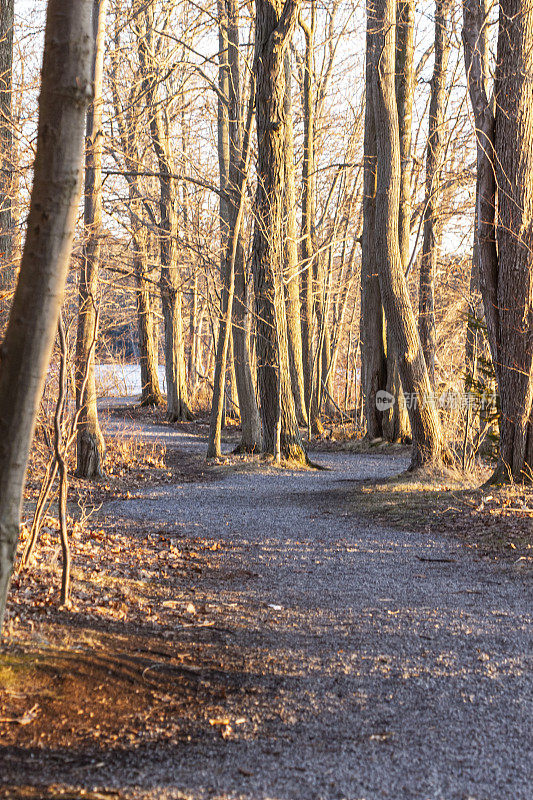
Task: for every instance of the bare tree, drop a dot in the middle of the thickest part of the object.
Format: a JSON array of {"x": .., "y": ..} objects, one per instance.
[
  {"x": 504, "y": 134},
  {"x": 373, "y": 360},
  {"x": 66, "y": 88},
  {"x": 129, "y": 121},
  {"x": 171, "y": 291},
  {"x": 292, "y": 266},
  {"x": 233, "y": 155},
  {"x": 311, "y": 360},
  {"x": 434, "y": 164},
  {"x": 274, "y": 23},
  {"x": 425, "y": 425},
  {"x": 6, "y": 154},
  {"x": 90, "y": 443}
]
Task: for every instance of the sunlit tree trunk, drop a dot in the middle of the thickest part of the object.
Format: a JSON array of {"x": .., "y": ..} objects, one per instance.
[
  {"x": 233, "y": 162},
  {"x": 505, "y": 182},
  {"x": 373, "y": 361},
  {"x": 171, "y": 292},
  {"x": 513, "y": 138},
  {"x": 312, "y": 363},
  {"x": 434, "y": 165},
  {"x": 395, "y": 418},
  {"x": 292, "y": 279},
  {"x": 66, "y": 88},
  {"x": 6, "y": 157},
  {"x": 274, "y": 24},
  {"x": 90, "y": 442},
  {"x": 425, "y": 425},
  {"x": 128, "y": 119}
]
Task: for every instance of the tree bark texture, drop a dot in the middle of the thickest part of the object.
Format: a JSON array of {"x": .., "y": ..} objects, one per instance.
[
  {"x": 239, "y": 154},
  {"x": 395, "y": 418},
  {"x": 90, "y": 451},
  {"x": 233, "y": 161},
  {"x": 274, "y": 25},
  {"x": 425, "y": 425},
  {"x": 504, "y": 133},
  {"x": 513, "y": 138},
  {"x": 6, "y": 156},
  {"x": 311, "y": 360},
  {"x": 128, "y": 121},
  {"x": 171, "y": 292},
  {"x": 66, "y": 88},
  {"x": 292, "y": 279},
  {"x": 434, "y": 165},
  {"x": 373, "y": 361}
]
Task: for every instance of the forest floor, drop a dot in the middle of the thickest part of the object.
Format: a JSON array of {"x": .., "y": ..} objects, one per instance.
[{"x": 239, "y": 630}]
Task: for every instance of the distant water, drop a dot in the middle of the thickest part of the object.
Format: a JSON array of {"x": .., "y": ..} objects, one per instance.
[{"x": 122, "y": 380}]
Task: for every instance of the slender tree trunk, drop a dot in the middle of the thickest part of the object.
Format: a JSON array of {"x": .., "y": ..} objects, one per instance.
[
  {"x": 405, "y": 18},
  {"x": 233, "y": 161},
  {"x": 291, "y": 278},
  {"x": 425, "y": 425},
  {"x": 504, "y": 181},
  {"x": 373, "y": 362},
  {"x": 395, "y": 418},
  {"x": 90, "y": 442},
  {"x": 311, "y": 361},
  {"x": 274, "y": 25},
  {"x": 434, "y": 164},
  {"x": 66, "y": 88},
  {"x": 6, "y": 157},
  {"x": 513, "y": 138},
  {"x": 128, "y": 123},
  {"x": 239, "y": 154},
  {"x": 474, "y": 340},
  {"x": 171, "y": 293},
  {"x": 193, "y": 336},
  {"x": 149, "y": 356},
  {"x": 474, "y": 40}
]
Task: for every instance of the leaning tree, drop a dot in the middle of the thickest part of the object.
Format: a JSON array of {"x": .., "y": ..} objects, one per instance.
[
  {"x": 66, "y": 89},
  {"x": 504, "y": 218}
]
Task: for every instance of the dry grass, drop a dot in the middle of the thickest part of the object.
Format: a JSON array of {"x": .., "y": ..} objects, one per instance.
[{"x": 497, "y": 523}]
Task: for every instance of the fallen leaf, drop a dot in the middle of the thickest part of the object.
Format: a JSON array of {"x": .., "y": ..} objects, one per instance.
[{"x": 26, "y": 718}]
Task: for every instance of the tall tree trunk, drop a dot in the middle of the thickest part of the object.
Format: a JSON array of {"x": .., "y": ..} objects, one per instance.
[
  {"x": 373, "y": 362},
  {"x": 425, "y": 425},
  {"x": 171, "y": 293},
  {"x": 291, "y": 278},
  {"x": 6, "y": 157},
  {"x": 193, "y": 336},
  {"x": 274, "y": 25},
  {"x": 311, "y": 361},
  {"x": 513, "y": 138},
  {"x": 90, "y": 442},
  {"x": 128, "y": 122},
  {"x": 239, "y": 154},
  {"x": 233, "y": 161},
  {"x": 405, "y": 19},
  {"x": 395, "y": 419},
  {"x": 66, "y": 88},
  {"x": 145, "y": 282},
  {"x": 434, "y": 164},
  {"x": 505, "y": 181},
  {"x": 474, "y": 339}
]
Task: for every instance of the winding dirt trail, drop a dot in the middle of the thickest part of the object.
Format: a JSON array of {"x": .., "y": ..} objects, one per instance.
[
  {"x": 320, "y": 657},
  {"x": 373, "y": 663}
]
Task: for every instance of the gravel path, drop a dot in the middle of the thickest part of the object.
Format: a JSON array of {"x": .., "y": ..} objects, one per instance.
[{"x": 389, "y": 664}]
